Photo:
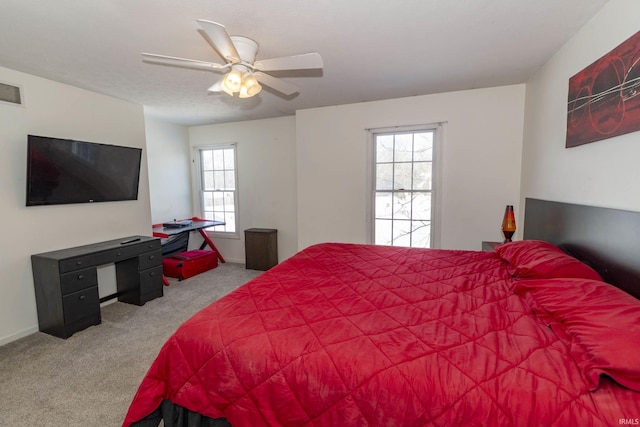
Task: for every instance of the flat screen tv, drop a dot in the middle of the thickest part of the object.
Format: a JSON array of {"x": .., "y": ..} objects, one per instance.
[{"x": 62, "y": 171}]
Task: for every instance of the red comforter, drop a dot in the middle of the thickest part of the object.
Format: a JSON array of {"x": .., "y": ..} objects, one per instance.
[{"x": 358, "y": 335}]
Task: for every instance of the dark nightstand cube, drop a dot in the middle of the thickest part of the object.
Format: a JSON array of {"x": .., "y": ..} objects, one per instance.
[
  {"x": 261, "y": 248},
  {"x": 490, "y": 246}
]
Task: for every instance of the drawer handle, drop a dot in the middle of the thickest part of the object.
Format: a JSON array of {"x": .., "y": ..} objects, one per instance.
[
  {"x": 80, "y": 276},
  {"x": 153, "y": 273},
  {"x": 82, "y": 297},
  {"x": 78, "y": 262},
  {"x": 151, "y": 256},
  {"x": 118, "y": 254}
]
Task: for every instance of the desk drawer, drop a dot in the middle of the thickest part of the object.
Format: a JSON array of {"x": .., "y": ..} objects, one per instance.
[
  {"x": 77, "y": 263},
  {"x": 81, "y": 304},
  {"x": 149, "y": 260},
  {"x": 115, "y": 255},
  {"x": 151, "y": 280},
  {"x": 148, "y": 246},
  {"x": 77, "y": 280}
]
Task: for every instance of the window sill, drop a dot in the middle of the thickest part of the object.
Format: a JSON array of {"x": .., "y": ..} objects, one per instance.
[{"x": 219, "y": 235}]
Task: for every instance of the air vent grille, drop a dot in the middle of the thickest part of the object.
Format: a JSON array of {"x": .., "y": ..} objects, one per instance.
[{"x": 10, "y": 94}]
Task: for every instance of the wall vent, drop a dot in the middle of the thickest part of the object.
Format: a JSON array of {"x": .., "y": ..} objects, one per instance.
[{"x": 10, "y": 94}]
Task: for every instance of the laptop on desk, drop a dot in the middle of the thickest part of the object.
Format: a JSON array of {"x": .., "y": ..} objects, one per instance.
[{"x": 177, "y": 224}]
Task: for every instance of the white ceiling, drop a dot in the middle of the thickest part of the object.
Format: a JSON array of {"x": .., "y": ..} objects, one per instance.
[{"x": 372, "y": 49}]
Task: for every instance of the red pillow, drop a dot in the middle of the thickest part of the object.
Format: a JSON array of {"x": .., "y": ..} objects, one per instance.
[
  {"x": 599, "y": 322},
  {"x": 535, "y": 259}
]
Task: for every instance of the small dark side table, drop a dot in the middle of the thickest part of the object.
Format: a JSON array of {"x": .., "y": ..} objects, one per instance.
[{"x": 490, "y": 246}]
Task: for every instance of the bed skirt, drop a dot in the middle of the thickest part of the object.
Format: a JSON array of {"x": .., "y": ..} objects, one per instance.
[{"x": 177, "y": 416}]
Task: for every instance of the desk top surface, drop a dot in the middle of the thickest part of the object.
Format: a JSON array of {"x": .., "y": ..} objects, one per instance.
[
  {"x": 96, "y": 247},
  {"x": 160, "y": 231}
]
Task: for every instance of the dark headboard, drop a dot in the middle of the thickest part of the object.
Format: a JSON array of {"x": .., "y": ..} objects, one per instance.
[{"x": 606, "y": 239}]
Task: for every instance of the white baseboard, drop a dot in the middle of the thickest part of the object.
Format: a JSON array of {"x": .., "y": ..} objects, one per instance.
[{"x": 18, "y": 335}]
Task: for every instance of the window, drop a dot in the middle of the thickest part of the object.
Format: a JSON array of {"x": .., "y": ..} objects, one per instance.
[
  {"x": 403, "y": 187},
  {"x": 218, "y": 194}
]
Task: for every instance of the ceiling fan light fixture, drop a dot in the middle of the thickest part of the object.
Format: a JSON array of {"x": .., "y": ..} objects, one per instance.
[
  {"x": 232, "y": 82},
  {"x": 225, "y": 90},
  {"x": 250, "y": 86}
]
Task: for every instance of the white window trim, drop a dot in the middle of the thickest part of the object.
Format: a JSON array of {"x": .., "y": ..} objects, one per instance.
[
  {"x": 198, "y": 163},
  {"x": 436, "y": 191}
]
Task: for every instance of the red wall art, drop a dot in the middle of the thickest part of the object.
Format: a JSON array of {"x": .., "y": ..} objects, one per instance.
[{"x": 604, "y": 98}]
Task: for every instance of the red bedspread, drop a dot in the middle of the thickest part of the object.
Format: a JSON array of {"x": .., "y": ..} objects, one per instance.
[{"x": 358, "y": 335}]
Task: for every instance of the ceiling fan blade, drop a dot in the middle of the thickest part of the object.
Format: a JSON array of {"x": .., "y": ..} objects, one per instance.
[
  {"x": 277, "y": 84},
  {"x": 216, "y": 86},
  {"x": 296, "y": 62},
  {"x": 182, "y": 62},
  {"x": 220, "y": 39}
]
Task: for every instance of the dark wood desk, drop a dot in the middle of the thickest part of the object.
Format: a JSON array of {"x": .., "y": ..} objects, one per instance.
[
  {"x": 197, "y": 224},
  {"x": 66, "y": 281}
]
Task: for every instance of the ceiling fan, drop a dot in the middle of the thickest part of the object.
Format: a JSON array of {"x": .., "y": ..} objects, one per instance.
[{"x": 243, "y": 72}]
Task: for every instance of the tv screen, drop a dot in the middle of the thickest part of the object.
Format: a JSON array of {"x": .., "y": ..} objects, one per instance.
[{"x": 62, "y": 171}]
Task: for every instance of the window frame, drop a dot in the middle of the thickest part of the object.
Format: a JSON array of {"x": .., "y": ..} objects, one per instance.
[
  {"x": 436, "y": 202},
  {"x": 200, "y": 187}
]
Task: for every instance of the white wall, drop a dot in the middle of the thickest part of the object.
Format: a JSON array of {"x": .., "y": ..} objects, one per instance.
[
  {"x": 603, "y": 173},
  {"x": 266, "y": 179},
  {"x": 57, "y": 110},
  {"x": 480, "y": 163},
  {"x": 168, "y": 156}
]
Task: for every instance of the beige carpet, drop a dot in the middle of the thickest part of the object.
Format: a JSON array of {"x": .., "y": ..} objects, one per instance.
[{"x": 90, "y": 379}]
